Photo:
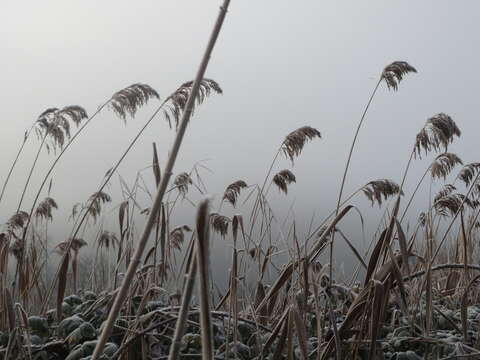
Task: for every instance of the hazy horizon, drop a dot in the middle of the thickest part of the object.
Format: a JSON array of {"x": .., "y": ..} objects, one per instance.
[{"x": 281, "y": 65}]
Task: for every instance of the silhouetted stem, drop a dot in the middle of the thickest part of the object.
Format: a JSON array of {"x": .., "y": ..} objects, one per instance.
[
  {"x": 183, "y": 312},
  {"x": 136, "y": 260},
  {"x": 346, "y": 170},
  {"x": 32, "y": 168},
  {"x": 15, "y": 161}
]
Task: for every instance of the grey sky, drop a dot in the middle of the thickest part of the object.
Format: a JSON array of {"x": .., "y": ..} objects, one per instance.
[{"x": 282, "y": 64}]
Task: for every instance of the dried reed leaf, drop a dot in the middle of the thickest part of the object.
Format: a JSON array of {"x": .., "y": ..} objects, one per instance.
[
  {"x": 277, "y": 355},
  {"x": 203, "y": 259},
  {"x": 9, "y": 310},
  {"x": 376, "y": 316},
  {"x": 375, "y": 256},
  {"x": 300, "y": 329},
  {"x": 237, "y": 221},
  {"x": 156, "y": 165},
  {"x": 354, "y": 250},
  {"x": 278, "y": 326},
  {"x": 402, "y": 240},
  {"x": 464, "y": 308},
  {"x": 259, "y": 295},
  {"x": 62, "y": 285}
]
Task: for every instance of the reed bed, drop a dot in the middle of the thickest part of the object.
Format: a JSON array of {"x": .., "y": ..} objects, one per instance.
[{"x": 413, "y": 295}]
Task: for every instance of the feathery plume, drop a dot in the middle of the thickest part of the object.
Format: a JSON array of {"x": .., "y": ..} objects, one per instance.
[
  {"x": 44, "y": 209},
  {"x": 16, "y": 248},
  {"x": 444, "y": 164},
  {"x": 107, "y": 239},
  {"x": 450, "y": 204},
  {"x": 284, "y": 178},
  {"x": 17, "y": 220},
  {"x": 55, "y": 123},
  {"x": 175, "y": 103},
  {"x": 97, "y": 199},
  {"x": 219, "y": 223},
  {"x": 76, "y": 208},
  {"x": 182, "y": 181},
  {"x": 437, "y": 133},
  {"x": 422, "y": 218},
  {"x": 76, "y": 245},
  {"x": 233, "y": 191},
  {"x": 73, "y": 113},
  {"x": 382, "y": 189},
  {"x": 177, "y": 236},
  {"x": 394, "y": 73},
  {"x": 127, "y": 101},
  {"x": 468, "y": 172},
  {"x": 294, "y": 142},
  {"x": 446, "y": 190}
]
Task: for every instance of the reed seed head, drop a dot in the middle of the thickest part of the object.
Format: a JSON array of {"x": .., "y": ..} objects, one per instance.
[
  {"x": 444, "y": 164},
  {"x": 219, "y": 223},
  {"x": 284, "y": 178},
  {"x": 394, "y": 73},
  {"x": 468, "y": 172},
  {"x": 233, "y": 191},
  {"x": 127, "y": 101},
  {"x": 294, "y": 142},
  {"x": 45, "y": 208},
  {"x": 176, "y": 102},
  {"x": 182, "y": 182},
  {"x": 379, "y": 190},
  {"x": 437, "y": 133}
]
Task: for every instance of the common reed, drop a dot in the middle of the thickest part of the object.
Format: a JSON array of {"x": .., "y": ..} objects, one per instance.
[{"x": 413, "y": 288}]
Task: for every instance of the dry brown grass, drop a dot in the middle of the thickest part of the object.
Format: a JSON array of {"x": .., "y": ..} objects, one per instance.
[{"x": 282, "y": 289}]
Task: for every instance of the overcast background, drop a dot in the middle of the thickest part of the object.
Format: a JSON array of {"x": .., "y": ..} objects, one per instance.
[{"x": 282, "y": 64}]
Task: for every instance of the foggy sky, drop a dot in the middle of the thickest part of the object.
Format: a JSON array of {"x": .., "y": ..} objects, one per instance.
[{"x": 282, "y": 64}]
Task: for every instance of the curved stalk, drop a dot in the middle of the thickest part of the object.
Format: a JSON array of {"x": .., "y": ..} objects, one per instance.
[
  {"x": 55, "y": 162},
  {"x": 129, "y": 275},
  {"x": 7, "y": 179},
  {"x": 31, "y": 171},
  {"x": 82, "y": 220},
  {"x": 414, "y": 193},
  {"x": 357, "y": 131}
]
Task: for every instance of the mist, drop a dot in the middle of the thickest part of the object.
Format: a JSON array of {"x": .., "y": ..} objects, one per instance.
[{"x": 281, "y": 65}]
